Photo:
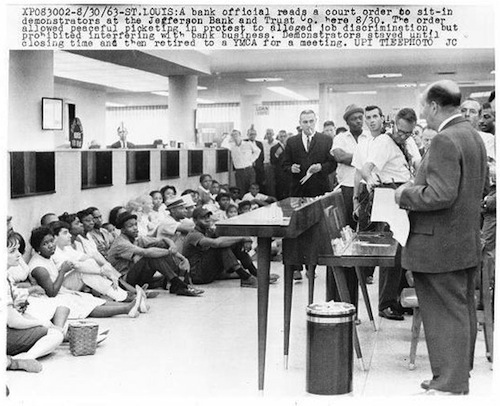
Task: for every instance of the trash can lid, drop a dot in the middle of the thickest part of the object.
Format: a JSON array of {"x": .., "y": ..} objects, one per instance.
[{"x": 331, "y": 308}]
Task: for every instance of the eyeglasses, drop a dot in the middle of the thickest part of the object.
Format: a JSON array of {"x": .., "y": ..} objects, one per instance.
[{"x": 405, "y": 134}]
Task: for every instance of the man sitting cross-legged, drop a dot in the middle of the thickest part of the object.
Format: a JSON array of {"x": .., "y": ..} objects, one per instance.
[
  {"x": 211, "y": 257},
  {"x": 138, "y": 258}
]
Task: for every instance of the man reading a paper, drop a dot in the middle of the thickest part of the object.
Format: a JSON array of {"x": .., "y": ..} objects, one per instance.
[
  {"x": 308, "y": 161},
  {"x": 443, "y": 250},
  {"x": 390, "y": 162}
]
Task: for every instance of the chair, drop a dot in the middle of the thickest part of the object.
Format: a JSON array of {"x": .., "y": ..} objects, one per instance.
[{"x": 409, "y": 299}]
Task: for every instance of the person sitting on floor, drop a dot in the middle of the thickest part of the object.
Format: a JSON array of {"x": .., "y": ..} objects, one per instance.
[
  {"x": 29, "y": 337},
  {"x": 113, "y": 215},
  {"x": 215, "y": 257},
  {"x": 231, "y": 211},
  {"x": 244, "y": 207},
  {"x": 86, "y": 271},
  {"x": 223, "y": 200},
  {"x": 204, "y": 189},
  {"x": 102, "y": 237},
  {"x": 51, "y": 278},
  {"x": 256, "y": 198},
  {"x": 137, "y": 258},
  {"x": 159, "y": 210},
  {"x": 175, "y": 225}
]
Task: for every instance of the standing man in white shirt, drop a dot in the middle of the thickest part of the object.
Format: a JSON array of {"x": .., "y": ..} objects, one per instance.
[
  {"x": 344, "y": 146},
  {"x": 270, "y": 183},
  {"x": 243, "y": 154},
  {"x": 391, "y": 161}
]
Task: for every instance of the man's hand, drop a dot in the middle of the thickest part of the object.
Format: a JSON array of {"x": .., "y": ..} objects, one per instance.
[
  {"x": 399, "y": 191},
  {"x": 314, "y": 168},
  {"x": 295, "y": 168}
]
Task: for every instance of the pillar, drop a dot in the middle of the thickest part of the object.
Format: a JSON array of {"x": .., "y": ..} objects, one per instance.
[{"x": 182, "y": 93}]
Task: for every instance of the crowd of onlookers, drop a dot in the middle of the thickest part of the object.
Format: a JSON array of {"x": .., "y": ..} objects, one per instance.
[{"x": 79, "y": 265}]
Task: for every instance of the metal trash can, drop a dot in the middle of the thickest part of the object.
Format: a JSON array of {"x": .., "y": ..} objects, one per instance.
[{"x": 329, "y": 348}]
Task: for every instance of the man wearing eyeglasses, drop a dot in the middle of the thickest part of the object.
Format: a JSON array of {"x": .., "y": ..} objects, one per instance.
[{"x": 391, "y": 162}]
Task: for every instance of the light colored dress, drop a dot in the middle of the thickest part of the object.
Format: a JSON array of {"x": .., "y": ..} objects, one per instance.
[
  {"x": 80, "y": 304},
  {"x": 40, "y": 306}
]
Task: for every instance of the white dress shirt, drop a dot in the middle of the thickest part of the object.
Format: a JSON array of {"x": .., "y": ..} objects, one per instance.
[{"x": 245, "y": 154}]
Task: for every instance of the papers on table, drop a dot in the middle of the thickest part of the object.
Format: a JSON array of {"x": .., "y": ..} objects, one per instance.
[{"x": 386, "y": 210}]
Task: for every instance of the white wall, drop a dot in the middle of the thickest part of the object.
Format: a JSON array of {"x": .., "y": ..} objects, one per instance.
[
  {"x": 90, "y": 109},
  {"x": 30, "y": 79}
]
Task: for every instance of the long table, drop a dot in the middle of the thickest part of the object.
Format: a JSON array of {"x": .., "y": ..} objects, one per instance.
[{"x": 300, "y": 222}]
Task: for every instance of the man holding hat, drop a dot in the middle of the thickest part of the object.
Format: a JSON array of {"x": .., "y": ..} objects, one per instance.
[
  {"x": 344, "y": 146},
  {"x": 211, "y": 256},
  {"x": 138, "y": 258}
]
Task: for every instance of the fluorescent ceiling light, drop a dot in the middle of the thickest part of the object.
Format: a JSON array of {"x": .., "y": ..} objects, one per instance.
[
  {"x": 406, "y": 85},
  {"x": 202, "y": 88},
  {"x": 363, "y": 92},
  {"x": 204, "y": 101},
  {"x": 384, "y": 75},
  {"x": 287, "y": 92},
  {"x": 256, "y": 80},
  {"x": 161, "y": 93},
  {"x": 479, "y": 94},
  {"x": 113, "y": 104},
  {"x": 492, "y": 72}
]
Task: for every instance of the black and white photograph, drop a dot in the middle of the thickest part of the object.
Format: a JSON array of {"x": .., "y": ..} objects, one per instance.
[{"x": 273, "y": 203}]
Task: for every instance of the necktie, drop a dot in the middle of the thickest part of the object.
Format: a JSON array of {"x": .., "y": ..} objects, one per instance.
[{"x": 308, "y": 142}]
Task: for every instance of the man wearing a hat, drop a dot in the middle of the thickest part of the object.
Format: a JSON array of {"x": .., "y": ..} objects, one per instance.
[
  {"x": 211, "y": 256},
  {"x": 344, "y": 147},
  {"x": 138, "y": 258},
  {"x": 175, "y": 225}
]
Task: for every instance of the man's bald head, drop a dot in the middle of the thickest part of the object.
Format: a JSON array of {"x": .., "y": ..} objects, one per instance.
[
  {"x": 440, "y": 101},
  {"x": 445, "y": 93}
]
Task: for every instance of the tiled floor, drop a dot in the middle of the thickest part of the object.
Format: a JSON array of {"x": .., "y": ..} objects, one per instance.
[{"x": 195, "y": 349}]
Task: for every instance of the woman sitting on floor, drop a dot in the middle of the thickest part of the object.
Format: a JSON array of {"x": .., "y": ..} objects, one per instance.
[
  {"x": 29, "y": 337},
  {"x": 86, "y": 271},
  {"x": 51, "y": 278}
]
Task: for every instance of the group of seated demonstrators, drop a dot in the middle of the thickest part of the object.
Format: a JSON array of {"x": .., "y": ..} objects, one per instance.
[{"x": 79, "y": 266}]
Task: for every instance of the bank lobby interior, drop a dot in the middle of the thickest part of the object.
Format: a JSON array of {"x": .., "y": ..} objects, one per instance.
[{"x": 205, "y": 348}]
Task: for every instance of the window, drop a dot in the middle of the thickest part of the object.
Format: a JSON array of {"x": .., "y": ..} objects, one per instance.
[
  {"x": 195, "y": 162},
  {"x": 97, "y": 169},
  {"x": 138, "y": 165},
  {"x": 31, "y": 173},
  {"x": 169, "y": 165},
  {"x": 222, "y": 160}
]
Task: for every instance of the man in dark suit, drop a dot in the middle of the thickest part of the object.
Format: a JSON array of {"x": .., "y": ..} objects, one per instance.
[
  {"x": 122, "y": 142},
  {"x": 443, "y": 249},
  {"x": 309, "y": 154}
]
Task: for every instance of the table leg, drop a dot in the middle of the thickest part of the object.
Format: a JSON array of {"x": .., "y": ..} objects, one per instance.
[
  {"x": 340, "y": 280},
  {"x": 311, "y": 274},
  {"x": 263, "y": 265},
  {"x": 364, "y": 291},
  {"x": 287, "y": 310}
]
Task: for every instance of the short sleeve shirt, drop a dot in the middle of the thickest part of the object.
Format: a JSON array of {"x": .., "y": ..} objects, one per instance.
[
  {"x": 347, "y": 142},
  {"x": 390, "y": 162},
  {"x": 192, "y": 249},
  {"x": 124, "y": 251}
]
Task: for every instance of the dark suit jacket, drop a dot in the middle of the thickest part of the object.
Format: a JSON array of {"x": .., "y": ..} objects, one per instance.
[
  {"x": 319, "y": 152},
  {"x": 118, "y": 144},
  {"x": 445, "y": 202}
]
